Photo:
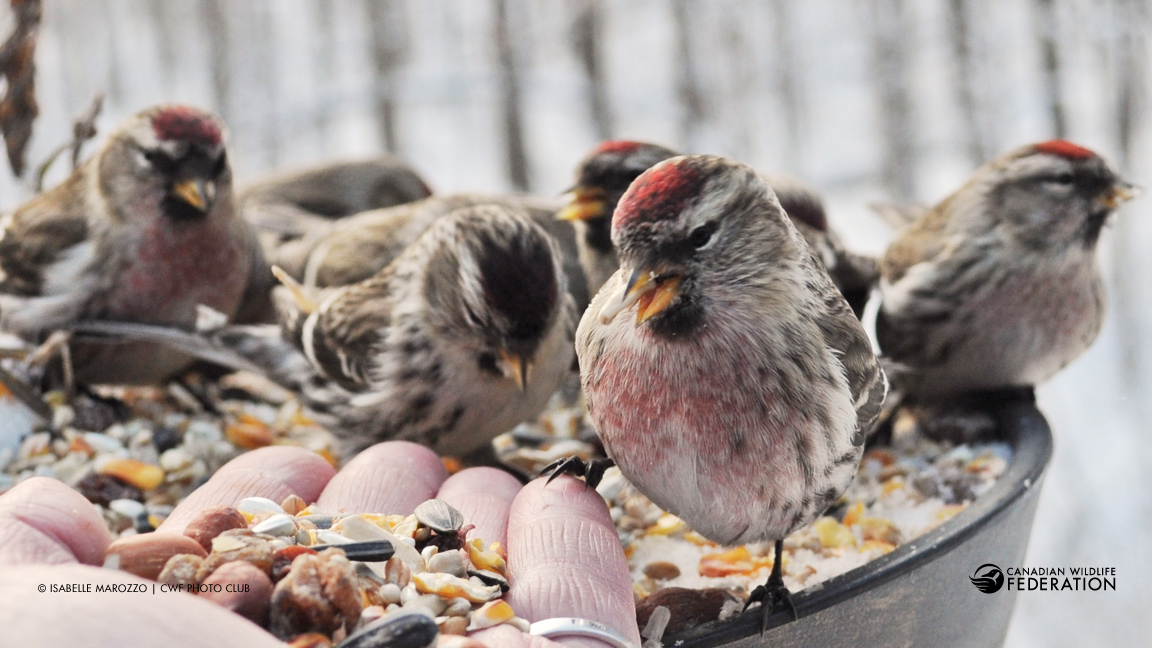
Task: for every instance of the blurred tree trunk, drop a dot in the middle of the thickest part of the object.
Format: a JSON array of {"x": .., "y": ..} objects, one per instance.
[
  {"x": 788, "y": 84},
  {"x": 264, "y": 42},
  {"x": 1131, "y": 78},
  {"x": 159, "y": 15},
  {"x": 389, "y": 43},
  {"x": 510, "y": 97},
  {"x": 1046, "y": 25},
  {"x": 587, "y": 38},
  {"x": 741, "y": 88},
  {"x": 893, "y": 29},
  {"x": 976, "y": 140},
  {"x": 687, "y": 82},
  {"x": 219, "y": 49},
  {"x": 324, "y": 69},
  {"x": 116, "y": 67}
]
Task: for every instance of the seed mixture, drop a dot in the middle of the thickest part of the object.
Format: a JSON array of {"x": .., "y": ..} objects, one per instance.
[
  {"x": 899, "y": 493},
  {"x": 136, "y": 452},
  {"x": 312, "y": 579}
]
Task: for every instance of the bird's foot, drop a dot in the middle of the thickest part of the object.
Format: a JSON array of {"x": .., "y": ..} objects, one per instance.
[
  {"x": 771, "y": 599},
  {"x": 592, "y": 471},
  {"x": 55, "y": 346},
  {"x": 773, "y": 595}
]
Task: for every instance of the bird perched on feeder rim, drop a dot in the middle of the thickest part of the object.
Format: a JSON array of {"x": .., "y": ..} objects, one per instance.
[
  {"x": 144, "y": 231},
  {"x": 725, "y": 374},
  {"x": 998, "y": 286},
  {"x": 605, "y": 173}
]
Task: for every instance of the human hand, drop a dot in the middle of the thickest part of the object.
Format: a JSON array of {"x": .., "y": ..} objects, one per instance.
[{"x": 564, "y": 558}]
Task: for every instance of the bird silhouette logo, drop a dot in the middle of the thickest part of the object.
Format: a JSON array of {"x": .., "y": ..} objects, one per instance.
[{"x": 987, "y": 578}]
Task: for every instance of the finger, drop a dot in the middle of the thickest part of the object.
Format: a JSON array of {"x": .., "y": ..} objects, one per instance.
[
  {"x": 89, "y": 618},
  {"x": 565, "y": 559},
  {"x": 274, "y": 472},
  {"x": 484, "y": 496},
  {"x": 44, "y": 521},
  {"x": 390, "y": 477}
]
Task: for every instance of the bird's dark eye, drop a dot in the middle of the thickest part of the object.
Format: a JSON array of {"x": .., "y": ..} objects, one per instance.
[
  {"x": 487, "y": 362},
  {"x": 221, "y": 162},
  {"x": 1064, "y": 179},
  {"x": 159, "y": 160},
  {"x": 702, "y": 235}
]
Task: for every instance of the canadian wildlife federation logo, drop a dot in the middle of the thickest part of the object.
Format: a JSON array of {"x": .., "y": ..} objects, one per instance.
[{"x": 987, "y": 578}]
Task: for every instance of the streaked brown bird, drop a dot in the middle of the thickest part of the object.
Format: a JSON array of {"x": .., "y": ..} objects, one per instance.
[{"x": 144, "y": 231}]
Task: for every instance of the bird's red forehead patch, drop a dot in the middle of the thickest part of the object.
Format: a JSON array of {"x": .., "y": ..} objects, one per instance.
[
  {"x": 616, "y": 146},
  {"x": 186, "y": 124},
  {"x": 659, "y": 193},
  {"x": 1064, "y": 149}
]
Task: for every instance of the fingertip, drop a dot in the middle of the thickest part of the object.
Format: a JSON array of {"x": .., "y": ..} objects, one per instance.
[
  {"x": 274, "y": 472},
  {"x": 389, "y": 477},
  {"x": 484, "y": 496},
  {"x": 570, "y": 494},
  {"x": 47, "y": 522},
  {"x": 565, "y": 557}
]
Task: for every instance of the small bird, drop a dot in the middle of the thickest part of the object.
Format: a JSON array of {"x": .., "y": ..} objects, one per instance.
[
  {"x": 998, "y": 286},
  {"x": 357, "y": 247},
  {"x": 605, "y": 173},
  {"x": 855, "y": 275},
  {"x": 285, "y": 206},
  {"x": 144, "y": 231},
  {"x": 602, "y": 177},
  {"x": 724, "y": 373},
  {"x": 465, "y": 334},
  {"x": 288, "y": 204}
]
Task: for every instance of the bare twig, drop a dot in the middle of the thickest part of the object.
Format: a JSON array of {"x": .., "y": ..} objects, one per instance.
[
  {"x": 83, "y": 129},
  {"x": 18, "y": 108}
]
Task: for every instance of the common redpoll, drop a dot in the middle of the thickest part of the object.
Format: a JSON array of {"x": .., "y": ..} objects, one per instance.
[
  {"x": 997, "y": 286},
  {"x": 465, "y": 334},
  {"x": 284, "y": 206},
  {"x": 288, "y": 204},
  {"x": 725, "y": 374},
  {"x": 144, "y": 231},
  {"x": 855, "y": 275},
  {"x": 601, "y": 178},
  {"x": 604, "y": 175},
  {"x": 357, "y": 247}
]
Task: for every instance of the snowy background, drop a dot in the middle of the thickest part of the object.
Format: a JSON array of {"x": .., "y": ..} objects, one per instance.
[{"x": 869, "y": 100}]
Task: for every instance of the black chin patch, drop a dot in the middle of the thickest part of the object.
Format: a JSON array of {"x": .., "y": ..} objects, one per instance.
[
  {"x": 598, "y": 233},
  {"x": 681, "y": 319},
  {"x": 1093, "y": 226},
  {"x": 179, "y": 210}
]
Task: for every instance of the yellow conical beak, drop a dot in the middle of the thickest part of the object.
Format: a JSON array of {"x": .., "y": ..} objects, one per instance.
[
  {"x": 1121, "y": 193},
  {"x": 196, "y": 192},
  {"x": 514, "y": 367},
  {"x": 652, "y": 293},
  {"x": 586, "y": 203}
]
